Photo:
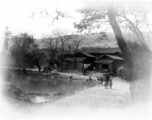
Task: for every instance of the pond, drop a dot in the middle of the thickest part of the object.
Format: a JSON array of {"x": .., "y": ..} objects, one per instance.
[{"x": 44, "y": 88}]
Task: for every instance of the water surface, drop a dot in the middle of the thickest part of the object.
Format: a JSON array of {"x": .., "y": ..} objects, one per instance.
[{"x": 42, "y": 88}]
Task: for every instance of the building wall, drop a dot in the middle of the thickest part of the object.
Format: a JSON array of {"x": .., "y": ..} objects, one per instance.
[
  {"x": 70, "y": 65},
  {"x": 116, "y": 65},
  {"x": 100, "y": 67},
  {"x": 112, "y": 66},
  {"x": 79, "y": 66}
]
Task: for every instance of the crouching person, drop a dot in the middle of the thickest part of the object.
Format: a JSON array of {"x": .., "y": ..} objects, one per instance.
[
  {"x": 100, "y": 79},
  {"x": 71, "y": 78},
  {"x": 89, "y": 80}
]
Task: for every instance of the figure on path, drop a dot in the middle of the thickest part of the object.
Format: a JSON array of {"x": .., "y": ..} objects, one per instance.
[
  {"x": 107, "y": 78},
  {"x": 84, "y": 69},
  {"x": 94, "y": 69},
  {"x": 71, "y": 78},
  {"x": 90, "y": 79},
  {"x": 100, "y": 79},
  {"x": 110, "y": 82}
]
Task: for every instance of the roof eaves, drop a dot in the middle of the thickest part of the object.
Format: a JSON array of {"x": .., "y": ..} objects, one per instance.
[
  {"x": 87, "y": 54},
  {"x": 115, "y": 57}
]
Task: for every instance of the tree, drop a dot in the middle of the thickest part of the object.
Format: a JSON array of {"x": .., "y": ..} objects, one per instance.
[
  {"x": 137, "y": 21},
  {"x": 63, "y": 38},
  {"x": 25, "y": 50},
  {"x": 31, "y": 52},
  {"x": 134, "y": 19},
  {"x": 77, "y": 41},
  {"x": 15, "y": 50},
  {"x": 115, "y": 14},
  {"x": 103, "y": 14},
  {"x": 52, "y": 44},
  {"x": 120, "y": 39},
  {"x": 7, "y": 35}
]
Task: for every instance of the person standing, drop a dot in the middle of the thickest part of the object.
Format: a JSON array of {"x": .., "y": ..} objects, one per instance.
[
  {"x": 107, "y": 78},
  {"x": 110, "y": 82},
  {"x": 94, "y": 69},
  {"x": 55, "y": 66},
  {"x": 84, "y": 69},
  {"x": 71, "y": 78}
]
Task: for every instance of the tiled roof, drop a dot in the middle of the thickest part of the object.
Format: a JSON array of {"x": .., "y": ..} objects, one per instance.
[
  {"x": 91, "y": 50},
  {"x": 77, "y": 59},
  {"x": 103, "y": 61},
  {"x": 101, "y": 50},
  {"x": 112, "y": 56},
  {"x": 115, "y": 57},
  {"x": 69, "y": 59},
  {"x": 86, "y": 54},
  {"x": 80, "y": 58}
]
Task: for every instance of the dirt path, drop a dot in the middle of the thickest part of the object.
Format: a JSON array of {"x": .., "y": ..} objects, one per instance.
[
  {"x": 99, "y": 96},
  {"x": 97, "y": 103}
]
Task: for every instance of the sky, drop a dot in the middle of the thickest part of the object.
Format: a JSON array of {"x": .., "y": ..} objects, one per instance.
[{"x": 16, "y": 14}]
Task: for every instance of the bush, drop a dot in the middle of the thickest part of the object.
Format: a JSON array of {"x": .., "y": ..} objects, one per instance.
[
  {"x": 141, "y": 57},
  {"x": 140, "y": 84}
]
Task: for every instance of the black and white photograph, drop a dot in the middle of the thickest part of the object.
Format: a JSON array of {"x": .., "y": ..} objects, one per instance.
[{"x": 75, "y": 60}]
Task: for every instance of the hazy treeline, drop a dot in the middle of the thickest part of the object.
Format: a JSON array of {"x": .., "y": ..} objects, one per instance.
[{"x": 25, "y": 50}]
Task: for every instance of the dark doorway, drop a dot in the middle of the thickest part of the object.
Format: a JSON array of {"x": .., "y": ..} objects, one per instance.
[{"x": 105, "y": 66}]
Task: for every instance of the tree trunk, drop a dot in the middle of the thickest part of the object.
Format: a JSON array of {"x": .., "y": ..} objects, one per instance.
[
  {"x": 62, "y": 60},
  {"x": 137, "y": 88},
  {"x": 120, "y": 40},
  {"x": 39, "y": 67},
  {"x": 30, "y": 66},
  {"x": 75, "y": 66},
  {"x": 61, "y": 65}
]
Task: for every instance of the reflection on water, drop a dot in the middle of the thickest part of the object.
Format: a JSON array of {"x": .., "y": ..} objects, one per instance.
[{"x": 38, "y": 89}]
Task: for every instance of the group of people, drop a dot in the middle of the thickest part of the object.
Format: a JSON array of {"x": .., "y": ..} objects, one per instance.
[{"x": 106, "y": 80}]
